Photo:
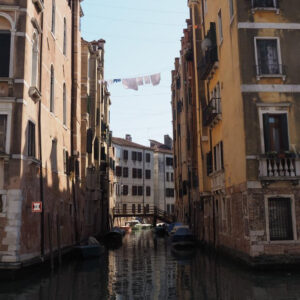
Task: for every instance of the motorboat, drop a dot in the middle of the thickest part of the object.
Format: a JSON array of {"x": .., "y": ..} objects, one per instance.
[
  {"x": 160, "y": 229},
  {"x": 90, "y": 250},
  {"x": 183, "y": 239},
  {"x": 114, "y": 237}
]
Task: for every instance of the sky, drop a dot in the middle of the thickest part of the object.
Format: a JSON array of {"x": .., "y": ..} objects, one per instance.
[{"x": 142, "y": 38}]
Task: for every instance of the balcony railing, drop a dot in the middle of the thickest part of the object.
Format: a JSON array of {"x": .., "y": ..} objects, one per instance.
[
  {"x": 270, "y": 70},
  {"x": 212, "y": 112},
  {"x": 265, "y": 4},
  {"x": 208, "y": 62},
  {"x": 279, "y": 168}
]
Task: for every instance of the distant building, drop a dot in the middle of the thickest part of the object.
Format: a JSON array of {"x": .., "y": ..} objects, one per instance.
[
  {"x": 134, "y": 185},
  {"x": 164, "y": 192}
]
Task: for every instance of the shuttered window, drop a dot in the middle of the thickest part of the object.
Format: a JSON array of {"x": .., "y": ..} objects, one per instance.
[
  {"x": 4, "y": 53},
  {"x": 280, "y": 219},
  {"x": 3, "y": 127},
  {"x": 31, "y": 139},
  {"x": 276, "y": 132}
]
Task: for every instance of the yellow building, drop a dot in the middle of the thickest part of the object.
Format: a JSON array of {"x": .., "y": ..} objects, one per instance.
[{"x": 246, "y": 70}]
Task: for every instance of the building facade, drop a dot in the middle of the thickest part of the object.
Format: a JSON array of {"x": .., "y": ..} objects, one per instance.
[
  {"x": 44, "y": 165},
  {"x": 246, "y": 93},
  {"x": 96, "y": 137},
  {"x": 164, "y": 191},
  {"x": 134, "y": 185}
]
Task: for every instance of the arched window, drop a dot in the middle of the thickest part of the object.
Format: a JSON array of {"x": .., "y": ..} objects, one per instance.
[
  {"x": 53, "y": 17},
  {"x": 6, "y": 27},
  {"x": 65, "y": 37},
  {"x": 64, "y": 105},
  {"x": 52, "y": 89},
  {"x": 34, "y": 71}
]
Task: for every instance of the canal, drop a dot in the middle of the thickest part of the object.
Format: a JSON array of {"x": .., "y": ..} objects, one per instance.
[{"x": 145, "y": 268}]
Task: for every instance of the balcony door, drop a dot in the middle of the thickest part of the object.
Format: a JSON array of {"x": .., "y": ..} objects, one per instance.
[{"x": 276, "y": 132}]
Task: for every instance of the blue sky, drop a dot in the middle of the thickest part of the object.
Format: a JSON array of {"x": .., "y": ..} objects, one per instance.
[{"x": 142, "y": 38}]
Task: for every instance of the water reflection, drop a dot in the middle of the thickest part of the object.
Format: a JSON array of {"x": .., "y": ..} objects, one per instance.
[{"x": 145, "y": 268}]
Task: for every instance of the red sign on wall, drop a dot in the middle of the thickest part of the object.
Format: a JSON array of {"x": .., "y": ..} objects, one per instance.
[{"x": 37, "y": 207}]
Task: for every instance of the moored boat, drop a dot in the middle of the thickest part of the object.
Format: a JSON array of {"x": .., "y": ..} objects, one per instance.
[
  {"x": 114, "y": 237},
  {"x": 183, "y": 239},
  {"x": 160, "y": 229},
  {"x": 90, "y": 250}
]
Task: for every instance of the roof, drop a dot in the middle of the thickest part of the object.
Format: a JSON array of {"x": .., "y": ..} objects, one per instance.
[
  {"x": 159, "y": 147},
  {"x": 126, "y": 143}
]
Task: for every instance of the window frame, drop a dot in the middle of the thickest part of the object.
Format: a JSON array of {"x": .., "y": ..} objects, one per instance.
[
  {"x": 281, "y": 75},
  {"x": 271, "y": 110},
  {"x": 293, "y": 214}
]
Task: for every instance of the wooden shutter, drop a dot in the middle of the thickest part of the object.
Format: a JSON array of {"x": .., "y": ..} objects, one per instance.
[
  {"x": 284, "y": 133},
  {"x": 4, "y": 54},
  {"x": 266, "y": 132}
]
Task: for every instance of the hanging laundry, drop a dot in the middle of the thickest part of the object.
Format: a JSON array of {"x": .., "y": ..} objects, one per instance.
[
  {"x": 130, "y": 83},
  {"x": 140, "y": 81},
  {"x": 155, "y": 79},
  {"x": 116, "y": 80},
  {"x": 147, "y": 79}
]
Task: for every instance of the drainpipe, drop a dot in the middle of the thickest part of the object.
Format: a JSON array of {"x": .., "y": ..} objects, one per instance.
[
  {"x": 73, "y": 111},
  {"x": 192, "y": 4},
  {"x": 40, "y": 146}
]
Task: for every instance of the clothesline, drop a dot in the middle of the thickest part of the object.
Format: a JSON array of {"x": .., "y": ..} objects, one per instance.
[{"x": 134, "y": 82}]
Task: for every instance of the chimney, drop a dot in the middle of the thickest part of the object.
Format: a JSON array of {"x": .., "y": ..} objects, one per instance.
[
  {"x": 128, "y": 137},
  {"x": 168, "y": 141}
]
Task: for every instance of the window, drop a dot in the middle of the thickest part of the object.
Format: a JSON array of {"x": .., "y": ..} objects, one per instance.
[
  {"x": 65, "y": 37},
  {"x": 3, "y": 131},
  {"x": 265, "y": 3},
  {"x": 125, "y": 190},
  {"x": 140, "y": 190},
  {"x": 168, "y": 208},
  {"x": 125, "y": 155},
  {"x": 167, "y": 176},
  {"x": 52, "y": 89},
  {"x": 169, "y": 161},
  {"x": 118, "y": 171},
  {"x": 133, "y": 208},
  {"x": 172, "y": 177},
  {"x": 139, "y": 208},
  {"x": 66, "y": 161},
  {"x": 53, "y": 17},
  {"x": 134, "y": 190},
  {"x": 148, "y": 191},
  {"x": 64, "y": 105},
  {"x": 275, "y": 132},
  {"x": 96, "y": 149},
  {"x": 280, "y": 219},
  {"x": 139, "y": 173},
  {"x": 209, "y": 163},
  {"x": 31, "y": 139},
  {"x": 231, "y": 9},
  {"x": 220, "y": 27},
  {"x": 54, "y": 155},
  {"x": 148, "y": 157},
  {"x": 125, "y": 172},
  {"x": 134, "y": 155},
  {"x": 5, "y": 38},
  {"x": 34, "y": 63},
  {"x": 148, "y": 174},
  {"x": 267, "y": 57},
  {"x": 139, "y": 156},
  {"x": 134, "y": 173},
  {"x": 169, "y": 192},
  {"x": 218, "y": 157}
]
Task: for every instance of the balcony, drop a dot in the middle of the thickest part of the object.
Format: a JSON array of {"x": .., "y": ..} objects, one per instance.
[
  {"x": 270, "y": 70},
  {"x": 265, "y": 5},
  {"x": 218, "y": 181},
  {"x": 209, "y": 61},
  {"x": 279, "y": 167},
  {"x": 212, "y": 112}
]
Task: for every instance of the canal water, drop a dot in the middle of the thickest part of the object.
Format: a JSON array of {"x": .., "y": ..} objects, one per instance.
[{"x": 145, "y": 268}]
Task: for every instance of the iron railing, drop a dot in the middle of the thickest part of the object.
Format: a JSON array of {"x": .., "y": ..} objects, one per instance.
[
  {"x": 266, "y": 69},
  {"x": 212, "y": 111}
]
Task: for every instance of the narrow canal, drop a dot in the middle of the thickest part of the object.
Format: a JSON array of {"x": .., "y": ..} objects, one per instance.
[{"x": 145, "y": 268}]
